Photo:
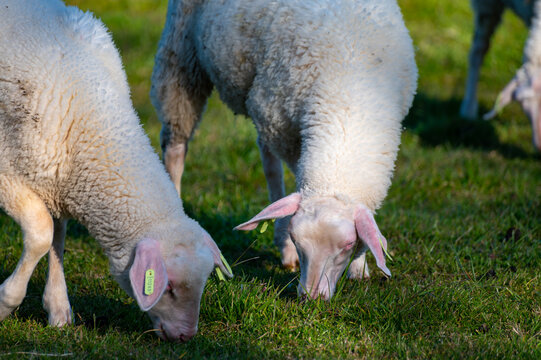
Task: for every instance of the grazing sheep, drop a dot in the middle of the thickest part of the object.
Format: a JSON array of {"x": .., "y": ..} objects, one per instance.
[
  {"x": 326, "y": 84},
  {"x": 71, "y": 146},
  {"x": 487, "y": 16},
  {"x": 525, "y": 87}
]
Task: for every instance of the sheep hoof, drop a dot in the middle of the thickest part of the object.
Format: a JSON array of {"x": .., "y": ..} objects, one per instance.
[
  {"x": 5, "y": 311},
  {"x": 60, "y": 318},
  {"x": 358, "y": 269},
  {"x": 290, "y": 259}
]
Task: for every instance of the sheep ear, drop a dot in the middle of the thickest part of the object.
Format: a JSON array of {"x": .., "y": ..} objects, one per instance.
[
  {"x": 278, "y": 209},
  {"x": 368, "y": 231},
  {"x": 505, "y": 97},
  {"x": 217, "y": 256},
  {"x": 148, "y": 276}
]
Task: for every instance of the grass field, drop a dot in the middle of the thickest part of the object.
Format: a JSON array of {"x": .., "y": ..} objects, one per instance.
[{"x": 463, "y": 220}]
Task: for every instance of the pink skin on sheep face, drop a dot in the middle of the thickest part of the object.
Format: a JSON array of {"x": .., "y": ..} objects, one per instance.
[
  {"x": 325, "y": 232},
  {"x": 179, "y": 280}
]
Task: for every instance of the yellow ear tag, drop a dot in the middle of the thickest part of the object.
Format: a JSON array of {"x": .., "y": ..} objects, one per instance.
[
  {"x": 220, "y": 274},
  {"x": 219, "y": 271},
  {"x": 264, "y": 227},
  {"x": 226, "y": 264},
  {"x": 149, "y": 282}
]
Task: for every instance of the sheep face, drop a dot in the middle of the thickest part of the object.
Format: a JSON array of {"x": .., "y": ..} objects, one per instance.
[
  {"x": 326, "y": 232},
  {"x": 525, "y": 88},
  {"x": 325, "y": 239},
  {"x": 529, "y": 96},
  {"x": 169, "y": 285},
  {"x": 176, "y": 313}
]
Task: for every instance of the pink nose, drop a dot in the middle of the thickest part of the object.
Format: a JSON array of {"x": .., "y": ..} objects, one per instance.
[
  {"x": 314, "y": 293},
  {"x": 185, "y": 337},
  {"x": 176, "y": 336}
]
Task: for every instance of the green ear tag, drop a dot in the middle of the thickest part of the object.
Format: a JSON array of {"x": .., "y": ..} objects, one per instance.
[
  {"x": 219, "y": 271},
  {"x": 149, "y": 282},
  {"x": 226, "y": 264},
  {"x": 264, "y": 227},
  {"x": 220, "y": 274}
]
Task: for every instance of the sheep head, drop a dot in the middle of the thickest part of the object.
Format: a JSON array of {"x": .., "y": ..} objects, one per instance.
[
  {"x": 169, "y": 286},
  {"x": 525, "y": 88},
  {"x": 326, "y": 232}
]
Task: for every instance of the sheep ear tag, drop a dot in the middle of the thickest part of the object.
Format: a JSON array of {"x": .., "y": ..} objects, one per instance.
[
  {"x": 368, "y": 231},
  {"x": 149, "y": 282},
  {"x": 219, "y": 272},
  {"x": 148, "y": 276},
  {"x": 222, "y": 267}
]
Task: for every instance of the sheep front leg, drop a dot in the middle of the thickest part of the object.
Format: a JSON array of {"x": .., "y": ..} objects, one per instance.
[
  {"x": 30, "y": 212},
  {"x": 55, "y": 296},
  {"x": 358, "y": 269},
  {"x": 272, "y": 167},
  {"x": 487, "y": 17}
]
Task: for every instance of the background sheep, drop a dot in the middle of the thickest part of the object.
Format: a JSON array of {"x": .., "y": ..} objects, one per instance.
[
  {"x": 326, "y": 84},
  {"x": 525, "y": 86},
  {"x": 71, "y": 146}
]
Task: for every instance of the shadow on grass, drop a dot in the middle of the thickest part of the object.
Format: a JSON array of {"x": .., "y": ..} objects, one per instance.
[{"x": 437, "y": 122}]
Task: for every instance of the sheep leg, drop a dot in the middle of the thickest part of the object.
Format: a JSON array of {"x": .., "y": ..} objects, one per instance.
[
  {"x": 173, "y": 157},
  {"x": 55, "y": 296},
  {"x": 358, "y": 269},
  {"x": 487, "y": 18},
  {"x": 30, "y": 212},
  {"x": 272, "y": 167},
  {"x": 179, "y": 91},
  {"x": 179, "y": 109}
]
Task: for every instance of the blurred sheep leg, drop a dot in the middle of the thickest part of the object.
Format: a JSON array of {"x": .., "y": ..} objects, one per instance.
[
  {"x": 487, "y": 17},
  {"x": 272, "y": 167}
]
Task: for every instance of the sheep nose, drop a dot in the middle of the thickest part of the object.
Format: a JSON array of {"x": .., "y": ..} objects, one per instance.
[{"x": 185, "y": 337}]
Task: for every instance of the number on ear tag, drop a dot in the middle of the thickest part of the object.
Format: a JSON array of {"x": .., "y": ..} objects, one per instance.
[{"x": 149, "y": 282}]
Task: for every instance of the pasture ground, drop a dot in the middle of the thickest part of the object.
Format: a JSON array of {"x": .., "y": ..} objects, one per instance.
[{"x": 462, "y": 219}]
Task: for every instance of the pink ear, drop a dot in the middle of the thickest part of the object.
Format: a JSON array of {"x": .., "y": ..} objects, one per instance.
[
  {"x": 504, "y": 98},
  {"x": 278, "y": 209},
  {"x": 148, "y": 257},
  {"x": 368, "y": 231},
  {"x": 216, "y": 254}
]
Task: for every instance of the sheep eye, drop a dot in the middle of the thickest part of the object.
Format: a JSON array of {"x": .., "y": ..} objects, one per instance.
[
  {"x": 292, "y": 238},
  {"x": 169, "y": 290}
]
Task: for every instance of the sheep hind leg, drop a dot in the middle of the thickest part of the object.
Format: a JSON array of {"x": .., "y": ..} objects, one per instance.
[
  {"x": 55, "y": 296},
  {"x": 174, "y": 156},
  {"x": 30, "y": 212},
  {"x": 487, "y": 18},
  {"x": 179, "y": 93},
  {"x": 272, "y": 167}
]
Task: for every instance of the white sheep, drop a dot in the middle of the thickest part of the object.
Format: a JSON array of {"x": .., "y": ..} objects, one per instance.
[
  {"x": 71, "y": 146},
  {"x": 487, "y": 16},
  {"x": 326, "y": 84},
  {"x": 525, "y": 87}
]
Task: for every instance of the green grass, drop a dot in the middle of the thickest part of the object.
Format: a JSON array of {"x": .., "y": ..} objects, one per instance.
[{"x": 462, "y": 219}]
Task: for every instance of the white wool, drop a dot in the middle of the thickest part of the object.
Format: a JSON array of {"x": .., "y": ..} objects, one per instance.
[
  {"x": 326, "y": 83},
  {"x": 324, "y": 80},
  {"x": 68, "y": 130},
  {"x": 532, "y": 51}
]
